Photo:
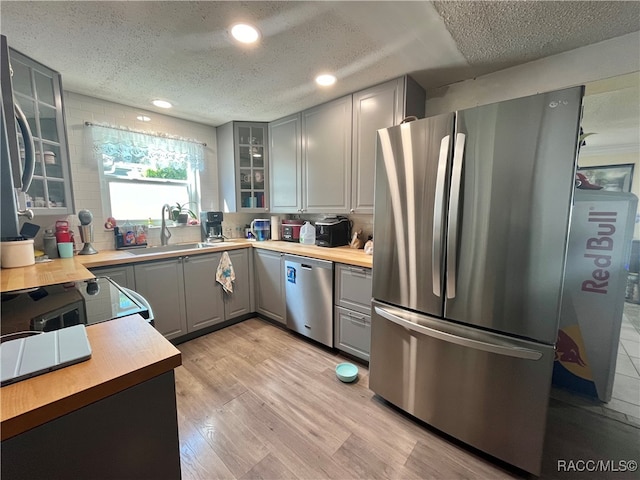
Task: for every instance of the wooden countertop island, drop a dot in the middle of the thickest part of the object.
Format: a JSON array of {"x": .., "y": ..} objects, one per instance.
[{"x": 104, "y": 417}]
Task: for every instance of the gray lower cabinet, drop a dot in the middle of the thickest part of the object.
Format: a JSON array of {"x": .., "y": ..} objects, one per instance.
[
  {"x": 352, "y": 333},
  {"x": 162, "y": 284},
  {"x": 239, "y": 302},
  {"x": 204, "y": 305},
  {"x": 352, "y": 329},
  {"x": 269, "y": 281},
  {"x": 185, "y": 296},
  {"x": 123, "y": 275}
]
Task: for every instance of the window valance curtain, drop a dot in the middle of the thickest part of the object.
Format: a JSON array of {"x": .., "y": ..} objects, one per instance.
[{"x": 129, "y": 153}]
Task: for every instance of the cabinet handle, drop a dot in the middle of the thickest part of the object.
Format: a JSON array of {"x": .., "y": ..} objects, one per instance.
[
  {"x": 186, "y": 259},
  {"x": 352, "y": 211},
  {"x": 361, "y": 271},
  {"x": 266, "y": 209},
  {"x": 357, "y": 320}
]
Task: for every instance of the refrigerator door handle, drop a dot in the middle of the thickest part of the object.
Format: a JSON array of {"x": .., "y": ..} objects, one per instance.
[
  {"x": 454, "y": 207},
  {"x": 438, "y": 217},
  {"x": 29, "y": 148},
  {"x": 507, "y": 350}
]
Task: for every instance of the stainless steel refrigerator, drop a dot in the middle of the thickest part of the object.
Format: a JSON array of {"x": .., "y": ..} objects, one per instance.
[{"x": 471, "y": 222}]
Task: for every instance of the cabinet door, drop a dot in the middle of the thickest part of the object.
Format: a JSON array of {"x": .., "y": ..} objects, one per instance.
[
  {"x": 162, "y": 284},
  {"x": 285, "y": 164},
  {"x": 203, "y": 294},
  {"x": 269, "y": 282},
  {"x": 38, "y": 90},
  {"x": 353, "y": 286},
  {"x": 251, "y": 149},
  {"x": 352, "y": 332},
  {"x": 326, "y": 156},
  {"x": 375, "y": 108},
  {"x": 122, "y": 275},
  {"x": 239, "y": 302},
  {"x": 243, "y": 161}
]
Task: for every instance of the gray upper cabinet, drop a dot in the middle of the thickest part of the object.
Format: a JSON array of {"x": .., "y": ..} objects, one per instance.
[
  {"x": 38, "y": 91},
  {"x": 243, "y": 167},
  {"x": 326, "y": 157},
  {"x": 238, "y": 302},
  {"x": 269, "y": 282},
  {"x": 203, "y": 294},
  {"x": 378, "y": 107},
  {"x": 285, "y": 164},
  {"x": 322, "y": 160}
]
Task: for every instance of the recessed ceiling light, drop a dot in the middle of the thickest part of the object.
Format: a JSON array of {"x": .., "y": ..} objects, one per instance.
[
  {"x": 245, "y": 33},
  {"x": 325, "y": 80},
  {"x": 143, "y": 118},
  {"x": 162, "y": 104}
]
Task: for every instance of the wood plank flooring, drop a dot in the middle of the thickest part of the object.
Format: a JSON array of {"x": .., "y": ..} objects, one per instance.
[{"x": 258, "y": 402}]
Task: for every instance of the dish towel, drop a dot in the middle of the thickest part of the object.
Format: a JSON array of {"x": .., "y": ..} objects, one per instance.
[{"x": 225, "y": 274}]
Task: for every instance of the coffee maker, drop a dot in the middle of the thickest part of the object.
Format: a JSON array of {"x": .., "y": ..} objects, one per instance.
[{"x": 211, "y": 224}]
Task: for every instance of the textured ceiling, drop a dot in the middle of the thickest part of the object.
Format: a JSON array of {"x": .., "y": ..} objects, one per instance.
[
  {"x": 497, "y": 35},
  {"x": 133, "y": 52}
]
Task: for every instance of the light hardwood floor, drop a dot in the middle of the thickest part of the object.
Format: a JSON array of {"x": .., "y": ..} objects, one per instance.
[{"x": 256, "y": 401}]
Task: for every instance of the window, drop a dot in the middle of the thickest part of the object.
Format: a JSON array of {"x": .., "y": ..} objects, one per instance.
[{"x": 141, "y": 172}]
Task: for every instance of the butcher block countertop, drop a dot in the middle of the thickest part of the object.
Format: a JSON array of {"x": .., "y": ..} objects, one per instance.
[
  {"x": 125, "y": 353},
  {"x": 77, "y": 268},
  {"x": 350, "y": 256}
]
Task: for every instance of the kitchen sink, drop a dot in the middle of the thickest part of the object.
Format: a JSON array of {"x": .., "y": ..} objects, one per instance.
[{"x": 174, "y": 248}]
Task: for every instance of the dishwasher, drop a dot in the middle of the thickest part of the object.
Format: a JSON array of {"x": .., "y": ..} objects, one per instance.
[{"x": 309, "y": 297}]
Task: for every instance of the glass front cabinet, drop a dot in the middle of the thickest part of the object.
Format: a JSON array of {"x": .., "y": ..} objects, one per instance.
[
  {"x": 243, "y": 161},
  {"x": 38, "y": 91}
]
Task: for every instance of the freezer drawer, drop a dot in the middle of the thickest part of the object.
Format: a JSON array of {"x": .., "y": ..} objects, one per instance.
[
  {"x": 488, "y": 390},
  {"x": 353, "y": 332},
  {"x": 309, "y": 297}
]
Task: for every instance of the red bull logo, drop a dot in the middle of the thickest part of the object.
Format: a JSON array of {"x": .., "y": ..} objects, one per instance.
[
  {"x": 598, "y": 249},
  {"x": 567, "y": 351}
]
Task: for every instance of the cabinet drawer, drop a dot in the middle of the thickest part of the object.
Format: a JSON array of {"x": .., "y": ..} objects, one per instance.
[
  {"x": 123, "y": 275},
  {"x": 352, "y": 332},
  {"x": 353, "y": 288}
]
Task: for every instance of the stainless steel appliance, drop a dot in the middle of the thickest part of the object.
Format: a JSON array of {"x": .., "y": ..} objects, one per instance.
[
  {"x": 309, "y": 297},
  {"x": 16, "y": 176},
  {"x": 471, "y": 220},
  {"x": 211, "y": 224},
  {"x": 333, "y": 232},
  {"x": 291, "y": 230},
  {"x": 64, "y": 305}
]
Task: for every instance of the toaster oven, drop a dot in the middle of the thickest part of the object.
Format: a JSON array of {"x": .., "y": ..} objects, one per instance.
[{"x": 333, "y": 232}]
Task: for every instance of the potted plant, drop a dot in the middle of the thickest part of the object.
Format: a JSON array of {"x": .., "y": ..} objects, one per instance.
[{"x": 180, "y": 213}]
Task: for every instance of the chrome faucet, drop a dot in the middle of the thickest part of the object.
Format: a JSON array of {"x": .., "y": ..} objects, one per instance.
[{"x": 165, "y": 234}]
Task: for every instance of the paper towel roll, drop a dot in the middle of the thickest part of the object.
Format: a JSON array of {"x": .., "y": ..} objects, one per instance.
[{"x": 275, "y": 227}]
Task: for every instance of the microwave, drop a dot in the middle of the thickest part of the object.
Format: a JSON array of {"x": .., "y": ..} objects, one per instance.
[{"x": 63, "y": 305}]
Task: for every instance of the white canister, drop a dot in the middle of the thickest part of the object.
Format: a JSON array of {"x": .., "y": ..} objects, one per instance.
[
  {"x": 17, "y": 254},
  {"x": 275, "y": 227}
]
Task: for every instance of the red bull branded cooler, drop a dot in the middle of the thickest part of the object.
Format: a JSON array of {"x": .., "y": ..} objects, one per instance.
[{"x": 602, "y": 226}]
